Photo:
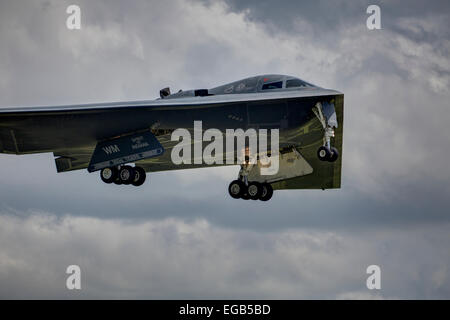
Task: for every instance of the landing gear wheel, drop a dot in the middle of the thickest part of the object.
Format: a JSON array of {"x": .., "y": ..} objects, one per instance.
[
  {"x": 236, "y": 189},
  {"x": 108, "y": 175},
  {"x": 126, "y": 174},
  {"x": 267, "y": 192},
  {"x": 334, "y": 154},
  {"x": 245, "y": 196},
  {"x": 323, "y": 153},
  {"x": 139, "y": 176},
  {"x": 254, "y": 190}
]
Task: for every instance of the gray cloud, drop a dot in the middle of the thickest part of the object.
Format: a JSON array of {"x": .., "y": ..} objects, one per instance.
[
  {"x": 173, "y": 259},
  {"x": 395, "y": 177}
]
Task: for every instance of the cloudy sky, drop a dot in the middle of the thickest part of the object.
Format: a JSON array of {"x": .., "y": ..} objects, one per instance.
[{"x": 181, "y": 235}]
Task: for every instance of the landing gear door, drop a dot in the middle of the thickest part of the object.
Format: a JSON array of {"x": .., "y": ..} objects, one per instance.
[
  {"x": 125, "y": 149},
  {"x": 291, "y": 164},
  {"x": 330, "y": 114}
]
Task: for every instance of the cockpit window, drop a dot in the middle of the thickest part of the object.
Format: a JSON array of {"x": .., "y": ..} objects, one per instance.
[
  {"x": 293, "y": 83},
  {"x": 273, "y": 85}
]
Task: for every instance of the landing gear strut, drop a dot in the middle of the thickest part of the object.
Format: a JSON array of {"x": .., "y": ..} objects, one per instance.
[{"x": 123, "y": 175}]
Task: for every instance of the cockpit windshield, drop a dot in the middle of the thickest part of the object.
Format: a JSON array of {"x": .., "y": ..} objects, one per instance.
[
  {"x": 296, "y": 83},
  {"x": 273, "y": 85}
]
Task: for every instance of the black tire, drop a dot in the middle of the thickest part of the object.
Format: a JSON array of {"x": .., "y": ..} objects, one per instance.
[
  {"x": 139, "y": 177},
  {"x": 334, "y": 154},
  {"x": 117, "y": 181},
  {"x": 245, "y": 196},
  {"x": 126, "y": 174},
  {"x": 236, "y": 189},
  {"x": 267, "y": 192},
  {"x": 108, "y": 175},
  {"x": 254, "y": 190},
  {"x": 323, "y": 153}
]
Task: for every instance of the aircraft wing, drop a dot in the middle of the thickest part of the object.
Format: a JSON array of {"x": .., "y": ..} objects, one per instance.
[{"x": 72, "y": 133}]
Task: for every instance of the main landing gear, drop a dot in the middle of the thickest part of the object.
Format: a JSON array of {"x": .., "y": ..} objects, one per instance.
[
  {"x": 123, "y": 175},
  {"x": 254, "y": 190},
  {"x": 244, "y": 189}
]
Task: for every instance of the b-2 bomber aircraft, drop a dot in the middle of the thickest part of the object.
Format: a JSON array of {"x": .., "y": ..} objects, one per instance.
[{"x": 124, "y": 140}]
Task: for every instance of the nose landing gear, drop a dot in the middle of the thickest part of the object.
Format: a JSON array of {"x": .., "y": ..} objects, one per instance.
[{"x": 326, "y": 152}]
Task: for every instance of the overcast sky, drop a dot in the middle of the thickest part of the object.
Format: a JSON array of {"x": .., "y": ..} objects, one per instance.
[{"x": 181, "y": 235}]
